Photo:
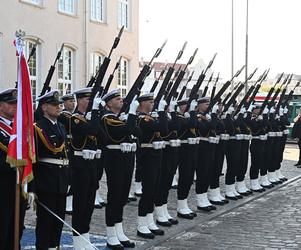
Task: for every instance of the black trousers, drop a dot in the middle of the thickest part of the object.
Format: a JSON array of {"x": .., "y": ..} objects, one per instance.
[
  {"x": 204, "y": 165},
  {"x": 257, "y": 150},
  {"x": 119, "y": 169},
  {"x": 187, "y": 166},
  {"x": 139, "y": 162},
  {"x": 150, "y": 177},
  {"x": 232, "y": 151},
  {"x": 269, "y": 156},
  {"x": 299, "y": 144},
  {"x": 168, "y": 170},
  {"x": 7, "y": 211},
  {"x": 84, "y": 186},
  {"x": 277, "y": 153},
  {"x": 49, "y": 228},
  {"x": 244, "y": 159},
  {"x": 282, "y": 147},
  {"x": 218, "y": 164}
]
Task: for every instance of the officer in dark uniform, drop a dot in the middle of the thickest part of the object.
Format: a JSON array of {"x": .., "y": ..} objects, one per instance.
[
  {"x": 83, "y": 155},
  {"x": 8, "y": 104},
  {"x": 64, "y": 118},
  {"x": 149, "y": 154},
  {"x": 50, "y": 172},
  {"x": 187, "y": 156},
  {"x": 119, "y": 154}
]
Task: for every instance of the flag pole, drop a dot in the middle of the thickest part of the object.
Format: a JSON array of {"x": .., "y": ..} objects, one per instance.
[{"x": 17, "y": 211}]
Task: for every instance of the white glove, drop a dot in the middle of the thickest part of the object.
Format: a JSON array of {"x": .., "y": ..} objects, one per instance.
[
  {"x": 162, "y": 105},
  {"x": 259, "y": 117},
  {"x": 187, "y": 115},
  {"x": 250, "y": 108},
  {"x": 88, "y": 154},
  {"x": 272, "y": 110},
  {"x": 88, "y": 116},
  {"x": 223, "y": 116},
  {"x": 265, "y": 111},
  {"x": 281, "y": 110},
  {"x": 154, "y": 114},
  {"x": 133, "y": 106},
  {"x": 97, "y": 101},
  {"x": 242, "y": 110},
  {"x": 172, "y": 106},
  {"x": 276, "y": 117},
  {"x": 208, "y": 117},
  {"x": 285, "y": 110},
  {"x": 230, "y": 110},
  {"x": 123, "y": 116},
  {"x": 98, "y": 154},
  {"x": 193, "y": 105},
  {"x": 214, "y": 109}
]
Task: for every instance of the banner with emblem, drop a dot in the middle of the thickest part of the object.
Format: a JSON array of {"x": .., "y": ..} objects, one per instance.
[{"x": 21, "y": 148}]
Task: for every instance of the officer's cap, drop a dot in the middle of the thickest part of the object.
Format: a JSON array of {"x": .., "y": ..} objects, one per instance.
[
  {"x": 203, "y": 100},
  {"x": 67, "y": 97},
  {"x": 182, "y": 102},
  {"x": 111, "y": 95},
  {"x": 257, "y": 105},
  {"x": 85, "y": 92},
  {"x": 50, "y": 97},
  {"x": 8, "y": 95},
  {"x": 146, "y": 97}
]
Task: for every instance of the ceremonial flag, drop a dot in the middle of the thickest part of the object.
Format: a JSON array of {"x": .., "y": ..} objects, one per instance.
[{"x": 21, "y": 148}]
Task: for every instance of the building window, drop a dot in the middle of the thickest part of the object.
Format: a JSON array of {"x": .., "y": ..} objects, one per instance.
[
  {"x": 123, "y": 13},
  {"x": 97, "y": 10},
  {"x": 96, "y": 61},
  {"x": 32, "y": 67},
  {"x": 67, "y": 6},
  {"x": 123, "y": 75},
  {"x": 34, "y": 2},
  {"x": 65, "y": 70}
]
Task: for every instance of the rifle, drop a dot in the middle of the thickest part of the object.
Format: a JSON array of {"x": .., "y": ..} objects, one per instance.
[
  {"x": 33, "y": 50},
  {"x": 110, "y": 79},
  {"x": 97, "y": 88},
  {"x": 206, "y": 87},
  {"x": 50, "y": 72},
  {"x": 158, "y": 79},
  {"x": 272, "y": 102},
  {"x": 283, "y": 93},
  {"x": 290, "y": 95},
  {"x": 194, "y": 92},
  {"x": 250, "y": 90},
  {"x": 167, "y": 78},
  {"x": 266, "y": 100},
  {"x": 170, "y": 84},
  {"x": 214, "y": 87},
  {"x": 179, "y": 79},
  {"x": 185, "y": 86},
  {"x": 219, "y": 94},
  {"x": 136, "y": 87},
  {"x": 229, "y": 94}
]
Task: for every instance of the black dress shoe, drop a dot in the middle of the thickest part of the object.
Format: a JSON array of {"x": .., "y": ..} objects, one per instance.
[
  {"x": 173, "y": 221},
  {"x": 249, "y": 192},
  {"x": 157, "y": 231},
  {"x": 194, "y": 214},
  {"x": 68, "y": 212},
  {"x": 174, "y": 187},
  {"x": 146, "y": 235},
  {"x": 132, "y": 199},
  {"x": 268, "y": 186},
  {"x": 258, "y": 190},
  {"x": 234, "y": 198},
  {"x": 138, "y": 195},
  {"x": 164, "y": 223},
  {"x": 225, "y": 201},
  {"x": 298, "y": 164},
  {"x": 98, "y": 206},
  {"x": 115, "y": 247},
  {"x": 206, "y": 209},
  {"x": 283, "y": 179},
  {"x": 128, "y": 244},
  {"x": 219, "y": 203},
  {"x": 239, "y": 196},
  {"x": 244, "y": 193},
  {"x": 185, "y": 216},
  {"x": 213, "y": 207}
]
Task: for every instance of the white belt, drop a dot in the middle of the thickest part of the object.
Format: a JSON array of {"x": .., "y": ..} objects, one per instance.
[
  {"x": 272, "y": 134},
  {"x": 260, "y": 137},
  {"x": 124, "y": 147},
  {"x": 69, "y": 136},
  {"x": 232, "y": 137},
  {"x": 279, "y": 134},
  {"x": 285, "y": 132},
  {"x": 63, "y": 162},
  {"x": 204, "y": 139},
  {"x": 88, "y": 154},
  {"x": 78, "y": 153},
  {"x": 247, "y": 137},
  {"x": 173, "y": 143},
  {"x": 214, "y": 140},
  {"x": 225, "y": 137},
  {"x": 239, "y": 137},
  {"x": 155, "y": 145}
]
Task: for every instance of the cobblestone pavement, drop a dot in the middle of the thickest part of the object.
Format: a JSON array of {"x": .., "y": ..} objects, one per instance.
[{"x": 271, "y": 220}]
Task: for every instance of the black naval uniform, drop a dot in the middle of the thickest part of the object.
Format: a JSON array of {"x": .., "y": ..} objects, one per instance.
[
  {"x": 150, "y": 158},
  {"x": 283, "y": 123},
  {"x": 187, "y": 154},
  {"x": 84, "y": 171},
  {"x": 50, "y": 182},
  {"x": 7, "y": 193},
  {"x": 118, "y": 165}
]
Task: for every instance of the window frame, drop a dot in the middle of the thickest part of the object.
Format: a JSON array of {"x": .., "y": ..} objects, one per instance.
[
  {"x": 120, "y": 21},
  {"x": 123, "y": 87},
  {"x": 38, "y": 3},
  {"x": 103, "y": 11},
  {"x": 62, "y": 81},
  {"x": 93, "y": 67},
  {"x": 64, "y": 11}
]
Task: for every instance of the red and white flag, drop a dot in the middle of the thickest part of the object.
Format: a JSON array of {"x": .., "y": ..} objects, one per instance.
[{"x": 21, "y": 148}]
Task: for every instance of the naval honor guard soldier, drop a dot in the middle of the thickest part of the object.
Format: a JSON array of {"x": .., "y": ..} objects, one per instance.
[
  {"x": 50, "y": 172},
  {"x": 8, "y": 104},
  {"x": 119, "y": 155}
]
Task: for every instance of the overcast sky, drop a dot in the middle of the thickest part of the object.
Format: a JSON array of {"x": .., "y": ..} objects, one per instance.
[{"x": 274, "y": 32}]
